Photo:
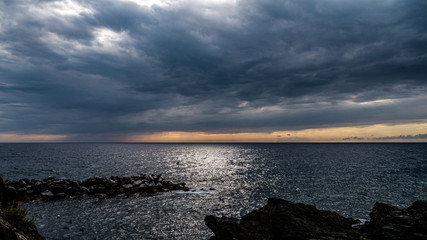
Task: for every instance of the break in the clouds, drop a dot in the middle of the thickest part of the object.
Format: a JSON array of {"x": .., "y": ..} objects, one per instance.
[{"x": 112, "y": 68}]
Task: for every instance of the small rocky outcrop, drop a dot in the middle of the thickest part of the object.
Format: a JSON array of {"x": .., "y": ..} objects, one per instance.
[
  {"x": 50, "y": 188},
  {"x": 389, "y": 222},
  {"x": 281, "y": 219}
]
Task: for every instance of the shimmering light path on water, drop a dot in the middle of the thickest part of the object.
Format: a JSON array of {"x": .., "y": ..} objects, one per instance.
[{"x": 346, "y": 178}]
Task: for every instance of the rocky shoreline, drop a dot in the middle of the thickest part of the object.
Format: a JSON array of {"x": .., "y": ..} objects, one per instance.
[
  {"x": 14, "y": 224},
  {"x": 26, "y": 190},
  {"x": 281, "y": 219}
]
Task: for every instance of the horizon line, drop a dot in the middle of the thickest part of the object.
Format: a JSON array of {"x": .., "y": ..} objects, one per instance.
[{"x": 101, "y": 142}]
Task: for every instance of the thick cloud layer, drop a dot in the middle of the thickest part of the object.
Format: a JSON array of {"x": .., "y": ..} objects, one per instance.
[{"x": 99, "y": 67}]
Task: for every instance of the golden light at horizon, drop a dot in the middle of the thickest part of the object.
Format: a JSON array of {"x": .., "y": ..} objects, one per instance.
[
  {"x": 18, "y": 137},
  {"x": 371, "y": 133},
  {"x": 335, "y": 134}
]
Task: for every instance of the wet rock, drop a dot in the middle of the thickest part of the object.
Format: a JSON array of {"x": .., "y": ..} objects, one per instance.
[
  {"x": 47, "y": 193},
  {"x": 150, "y": 184},
  {"x": 150, "y": 178},
  {"x": 137, "y": 183},
  {"x": 85, "y": 190},
  {"x": 49, "y": 179},
  {"x": 38, "y": 183},
  {"x": 22, "y": 183},
  {"x": 29, "y": 192}
]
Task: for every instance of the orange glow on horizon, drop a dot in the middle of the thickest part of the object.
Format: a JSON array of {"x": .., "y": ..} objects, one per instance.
[
  {"x": 18, "y": 137},
  {"x": 372, "y": 133}
]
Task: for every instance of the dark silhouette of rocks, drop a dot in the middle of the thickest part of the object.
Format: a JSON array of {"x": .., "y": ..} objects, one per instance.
[
  {"x": 50, "y": 188},
  {"x": 389, "y": 222},
  {"x": 14, "y": 224},
  {"x": 281, "y": 219}
]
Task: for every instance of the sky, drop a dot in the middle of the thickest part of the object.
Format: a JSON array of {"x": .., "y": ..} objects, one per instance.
[{"x": 213, "y": 70}]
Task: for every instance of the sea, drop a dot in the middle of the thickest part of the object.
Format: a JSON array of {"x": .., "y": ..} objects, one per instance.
[{"x": 225, "y": 180}]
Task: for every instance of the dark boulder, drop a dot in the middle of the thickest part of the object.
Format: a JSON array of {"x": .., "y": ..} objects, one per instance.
[
  {"x": 281, "y": 219},
  {"x": 389, "y": 222}
]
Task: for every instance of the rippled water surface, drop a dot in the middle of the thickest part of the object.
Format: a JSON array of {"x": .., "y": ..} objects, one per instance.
[{"x": 346, "y": 178}]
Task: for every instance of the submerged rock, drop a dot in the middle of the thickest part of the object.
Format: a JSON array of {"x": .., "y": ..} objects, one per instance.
[{"x": 281, "y": 219}]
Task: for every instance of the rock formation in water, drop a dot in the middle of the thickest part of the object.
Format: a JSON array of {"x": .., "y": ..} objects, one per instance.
[
  {"x": 14, "y": 224},
  {"x": 389, "y": 222},
  {"x": 281, "y": 219},
  {"x": 50, "y": 188}
]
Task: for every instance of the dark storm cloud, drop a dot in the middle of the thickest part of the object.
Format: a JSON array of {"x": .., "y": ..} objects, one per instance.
[
  {"x": 418, "y": 136},
  {"x": 90, "y": 67}
]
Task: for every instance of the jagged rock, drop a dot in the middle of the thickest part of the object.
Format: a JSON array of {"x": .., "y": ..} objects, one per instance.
[
  {"x": 281, "y": 219},
  {"x": 389, "y": 222}
]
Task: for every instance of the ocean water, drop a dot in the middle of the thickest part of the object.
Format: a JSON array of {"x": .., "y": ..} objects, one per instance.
[{"x": 345, "y": 178}]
